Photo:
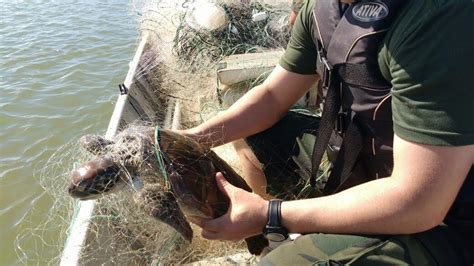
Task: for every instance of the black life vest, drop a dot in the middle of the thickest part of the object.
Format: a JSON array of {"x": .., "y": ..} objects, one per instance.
[{"x": 356, "y": 127}]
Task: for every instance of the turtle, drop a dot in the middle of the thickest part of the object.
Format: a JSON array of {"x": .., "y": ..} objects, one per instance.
[{"x": 177, "y": 176}]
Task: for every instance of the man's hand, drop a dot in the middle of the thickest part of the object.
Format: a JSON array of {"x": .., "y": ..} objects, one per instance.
[{"x": 246, "y": 216}]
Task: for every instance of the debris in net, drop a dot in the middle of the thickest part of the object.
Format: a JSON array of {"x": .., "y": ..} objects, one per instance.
[{"x": 249, "y": 28}]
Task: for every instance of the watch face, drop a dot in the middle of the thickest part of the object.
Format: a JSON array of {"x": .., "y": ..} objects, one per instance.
[{"x": 275, "y": 237}]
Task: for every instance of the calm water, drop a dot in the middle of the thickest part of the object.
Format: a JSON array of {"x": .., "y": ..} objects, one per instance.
[{"x": 60, "y": 63}]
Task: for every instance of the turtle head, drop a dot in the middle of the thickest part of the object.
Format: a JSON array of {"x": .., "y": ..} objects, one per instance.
[
  {"x": 99, "y": 176},
  {"x": 116, "y": 163}
]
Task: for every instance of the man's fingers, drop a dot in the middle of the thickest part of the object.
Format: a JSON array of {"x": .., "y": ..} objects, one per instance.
[
  {"x": 211, "y": 235},
  {"x": 224, "y": 185},
  {"x": 217, "y": 228},
  {"x": 197, "y": 220},
  {"x": 214, "y": 225}
]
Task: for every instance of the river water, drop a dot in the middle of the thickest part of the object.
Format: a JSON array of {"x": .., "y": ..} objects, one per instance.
[{"x": 60, "y": 64}]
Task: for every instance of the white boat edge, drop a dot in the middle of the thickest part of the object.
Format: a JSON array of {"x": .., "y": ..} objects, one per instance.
[{"x": 79, "y": 225}]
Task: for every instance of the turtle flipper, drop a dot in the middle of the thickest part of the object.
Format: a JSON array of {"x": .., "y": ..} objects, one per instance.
[
  {"x": 256, "y": 244},
  {"x": 162, "y": 205}
]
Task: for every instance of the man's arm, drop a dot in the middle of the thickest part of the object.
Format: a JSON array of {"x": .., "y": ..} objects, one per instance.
[
  {"x": 257, "y": 110},
  {"x": 417, "y": 197},
  {"x": 424, "y": 184}
]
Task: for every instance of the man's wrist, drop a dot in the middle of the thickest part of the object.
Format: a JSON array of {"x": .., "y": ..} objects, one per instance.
[
  {"x": 284, "y": 215},
  {"x": 263, "y": 215}
]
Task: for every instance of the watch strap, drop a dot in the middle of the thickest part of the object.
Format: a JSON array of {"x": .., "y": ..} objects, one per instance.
[{"x": 274, "y": 212}]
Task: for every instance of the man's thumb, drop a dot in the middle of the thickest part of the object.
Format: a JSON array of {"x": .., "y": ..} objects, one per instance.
[{"x": 223, "y": 184}]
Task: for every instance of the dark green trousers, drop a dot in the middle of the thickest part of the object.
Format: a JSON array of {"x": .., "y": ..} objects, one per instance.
[{"x": 439, "y": 246}]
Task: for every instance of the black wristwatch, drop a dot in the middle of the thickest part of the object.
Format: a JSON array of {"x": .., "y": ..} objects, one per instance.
[{"x": 274, "y": 230}]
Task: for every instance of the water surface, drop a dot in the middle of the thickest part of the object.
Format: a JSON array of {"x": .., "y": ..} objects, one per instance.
[{"x": 60, "y": 64}]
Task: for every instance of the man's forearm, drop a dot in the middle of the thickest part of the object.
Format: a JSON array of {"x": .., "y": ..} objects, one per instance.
[
  {"x": 413, "y": 199},
  {"x": 377, "y": 207},
  {"x": 257, "y": 110},
  {"x": 252, "y": 113}
]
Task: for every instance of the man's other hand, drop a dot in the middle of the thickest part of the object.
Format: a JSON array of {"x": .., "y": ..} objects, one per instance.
[{"x": 246, "y": 216}]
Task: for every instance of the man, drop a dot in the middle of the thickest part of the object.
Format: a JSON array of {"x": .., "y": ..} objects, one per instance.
[{"x": 427, "y": 58}]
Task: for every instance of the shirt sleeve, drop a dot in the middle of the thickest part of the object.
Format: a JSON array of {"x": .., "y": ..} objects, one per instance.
[
  {"x": 430, "y": 60},
  {"x": 300, "y": 55}
]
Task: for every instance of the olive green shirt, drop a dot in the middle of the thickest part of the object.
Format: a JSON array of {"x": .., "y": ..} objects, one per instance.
[{"x": 428, "y": 56}]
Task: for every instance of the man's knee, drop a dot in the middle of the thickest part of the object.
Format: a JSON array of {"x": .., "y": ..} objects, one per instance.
[
  {"x": 246, "y": 154},
  {"x": 251, "y": 169}
]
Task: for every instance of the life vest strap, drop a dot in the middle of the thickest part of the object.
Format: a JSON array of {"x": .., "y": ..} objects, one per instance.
[
  {"x": 331, "y": 108},
  {"x": 362, "y": 75},
  {"x": 346, "y": 159}
]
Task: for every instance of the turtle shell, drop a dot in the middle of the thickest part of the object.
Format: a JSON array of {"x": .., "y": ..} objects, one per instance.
[{"x": 190, "y": 169}]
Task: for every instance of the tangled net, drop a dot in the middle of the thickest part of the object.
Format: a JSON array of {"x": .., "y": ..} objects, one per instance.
[
  {"x": 181, "y": 60},
  {"x": 179, "y": 65},
  {"x": 241, "y": 35},
  {"x": 119, "y": 232}
]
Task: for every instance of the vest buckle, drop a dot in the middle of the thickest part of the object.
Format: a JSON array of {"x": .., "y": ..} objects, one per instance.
[
  {"x": 327, "y": 71},
  {"x": 340, "y": 124}
]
